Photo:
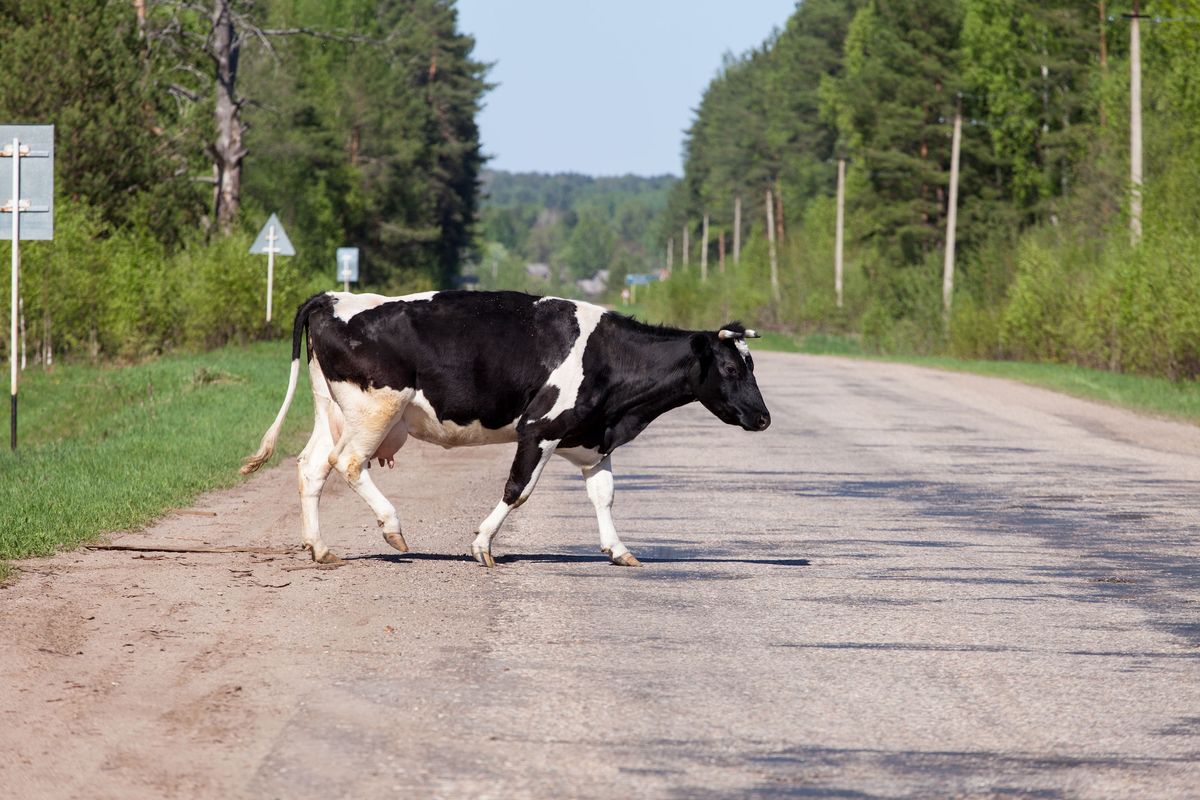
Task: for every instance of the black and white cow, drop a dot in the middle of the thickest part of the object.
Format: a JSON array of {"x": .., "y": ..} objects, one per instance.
[{"x": 456, "y": 368}]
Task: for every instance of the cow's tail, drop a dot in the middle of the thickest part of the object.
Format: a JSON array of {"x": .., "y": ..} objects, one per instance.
[{"x": 267, "y": 446}]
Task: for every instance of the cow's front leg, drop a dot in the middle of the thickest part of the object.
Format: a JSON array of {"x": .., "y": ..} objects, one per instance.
[
  {"x": 599, "y": 480},
  {"x": 527, "y": 467}
]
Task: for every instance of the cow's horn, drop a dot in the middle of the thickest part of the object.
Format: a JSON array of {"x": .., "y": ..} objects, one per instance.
[
  {"x": 752, "y": 334},
  {"x": 724, "y": 334}
]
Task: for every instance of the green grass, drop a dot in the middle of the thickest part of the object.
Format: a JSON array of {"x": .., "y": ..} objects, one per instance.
[
  {"x": 105, "y": 448},
  {"x": 1179, "y": 400}
]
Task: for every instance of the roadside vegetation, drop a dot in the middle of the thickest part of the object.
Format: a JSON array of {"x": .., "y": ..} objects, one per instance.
[
  {"x": 1171, "y": 399},
  {"x": 1047, "y": 267},
  {"x": 106, "y": 448}
]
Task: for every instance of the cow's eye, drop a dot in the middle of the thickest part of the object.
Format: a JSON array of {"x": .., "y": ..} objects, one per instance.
[{"x": 729, "y": 370}]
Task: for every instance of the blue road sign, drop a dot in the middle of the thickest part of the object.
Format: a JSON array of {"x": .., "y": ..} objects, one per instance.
[
  {"x": 636, "y": 279},
  {"x": 347, "y": 264},
  {"x": 36, "y": 163},
  {"x": 282, "y": 244}
]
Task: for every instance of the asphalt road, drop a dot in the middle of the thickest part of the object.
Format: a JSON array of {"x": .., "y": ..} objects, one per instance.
[{"x": 914, "y": 584}]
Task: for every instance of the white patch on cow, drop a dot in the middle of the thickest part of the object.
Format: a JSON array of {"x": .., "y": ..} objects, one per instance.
[
  {"x": 347, "y": 305},
  {"x": 582, "y": 457},
  {"x": 567, "y": 377},
  {"x": 742, "y": 348},
  {"x": 423, "y": 423}
]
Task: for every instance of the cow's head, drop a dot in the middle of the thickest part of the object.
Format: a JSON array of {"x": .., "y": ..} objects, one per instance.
[{"x": 724, "y": 378}]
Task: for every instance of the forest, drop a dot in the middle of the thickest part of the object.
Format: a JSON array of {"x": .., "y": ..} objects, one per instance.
[
  {"x": 181, "y": 125},
  {"x": 1048, "y": 266}
]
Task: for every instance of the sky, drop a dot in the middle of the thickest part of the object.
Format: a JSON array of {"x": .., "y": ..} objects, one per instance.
[{"x": 603, "y": 87}]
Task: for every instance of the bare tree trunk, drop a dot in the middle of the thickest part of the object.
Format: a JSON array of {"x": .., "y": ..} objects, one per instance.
[
  {"x": 770, "y": 205},
  {"x": 228, "y": 150},
  {"x": 704, "y": 252},
  {"x": 737, "y": 230},
  {"x": 778, "y": 212},
  {"x": 721, "y": 251}
]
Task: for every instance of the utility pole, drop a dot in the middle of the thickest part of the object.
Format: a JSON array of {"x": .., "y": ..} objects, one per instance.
[
  {"x": 670, "y": 253},
  {"x": 952, "y": 214},
  {"x": 704, "y": 252},
  {"x": 685, "y": 247},
  {"x": 839, "y": 236},
  {"x": 737, "y": 230},
  {"x": 771, "y": 247},
  {"x": 1135, "y": 126}
]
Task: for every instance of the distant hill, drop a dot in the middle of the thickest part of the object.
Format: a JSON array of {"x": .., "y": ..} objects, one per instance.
[
  {"x": 562, "y": 191},
  {"x": 568, "y": 233}
]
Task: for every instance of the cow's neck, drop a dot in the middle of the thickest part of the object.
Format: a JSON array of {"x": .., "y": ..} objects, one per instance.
[{"x": 647, "y": 387}]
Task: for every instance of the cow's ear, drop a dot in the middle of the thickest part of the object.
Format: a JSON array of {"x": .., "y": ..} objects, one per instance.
[{"x": 702, "y": 347}]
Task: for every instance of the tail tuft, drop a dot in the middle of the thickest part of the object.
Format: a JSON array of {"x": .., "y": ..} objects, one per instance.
[{"x": 252, "y": 463}]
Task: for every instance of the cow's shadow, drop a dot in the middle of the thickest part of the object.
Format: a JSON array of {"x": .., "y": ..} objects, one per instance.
[{"x": 574, "y": 558}]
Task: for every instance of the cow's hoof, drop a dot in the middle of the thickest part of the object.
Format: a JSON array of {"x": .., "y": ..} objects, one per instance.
[
  {"x": 396, "y": 540},
  {"x": 484, "y": 557},
  {"x": 328, "y": 558},
  {"x": 626, "y": 560}
]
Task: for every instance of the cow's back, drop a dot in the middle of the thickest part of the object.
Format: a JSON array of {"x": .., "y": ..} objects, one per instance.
[{"x": 473, "y": 356}]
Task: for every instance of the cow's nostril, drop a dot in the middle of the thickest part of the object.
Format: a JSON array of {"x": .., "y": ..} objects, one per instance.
[{"x": 764, "y": 422}]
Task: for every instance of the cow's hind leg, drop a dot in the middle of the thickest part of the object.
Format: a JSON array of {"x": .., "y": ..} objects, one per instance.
[
  {"x": 527, "y": 467},
  {"x": 599, "y": 480},
  {"x": 313, "y": 467}
]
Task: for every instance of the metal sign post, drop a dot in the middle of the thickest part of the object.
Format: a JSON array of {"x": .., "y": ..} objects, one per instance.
[
  {"x": 272, "y": 239},
  {"x": 347, "y": 266},
  {"x": 634, "y": 280},
  {"x": 31, "y": 143}
]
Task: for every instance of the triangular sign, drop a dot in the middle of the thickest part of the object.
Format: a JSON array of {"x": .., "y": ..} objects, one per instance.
[{"x": 274, "y": 236}]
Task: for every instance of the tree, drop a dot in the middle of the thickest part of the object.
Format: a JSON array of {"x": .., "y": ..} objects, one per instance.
[
  {"x": 123, "y": 146},
  {"x": 374, "y": 140},
  {"x": 892, "y": 105}
]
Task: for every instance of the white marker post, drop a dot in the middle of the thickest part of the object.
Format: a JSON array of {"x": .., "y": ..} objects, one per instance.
[
  {"x": 271, "y": 251},
  {"x": 272, "y": 239},
  {"x": 15, "y": 203},
  {"x": 345, "y": 272}
]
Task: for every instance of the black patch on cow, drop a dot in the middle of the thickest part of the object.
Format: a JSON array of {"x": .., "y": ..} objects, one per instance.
[{"x": 475, "y": 355}]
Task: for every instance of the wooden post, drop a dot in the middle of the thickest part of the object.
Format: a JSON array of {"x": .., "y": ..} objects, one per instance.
[
  {"x": 951, "y": 216},
  {"x": 721, "y": 251},
  {"x": 684, "y": 263},
  {"x": 670, "y": 253},
  {"x": 839, "y": 235},
  {"x": 737, "y": 230},
  {"x": 704, "y": 252},
  {"x": 1135, "y": 127},
  {"x": 771, "y": 247}
]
